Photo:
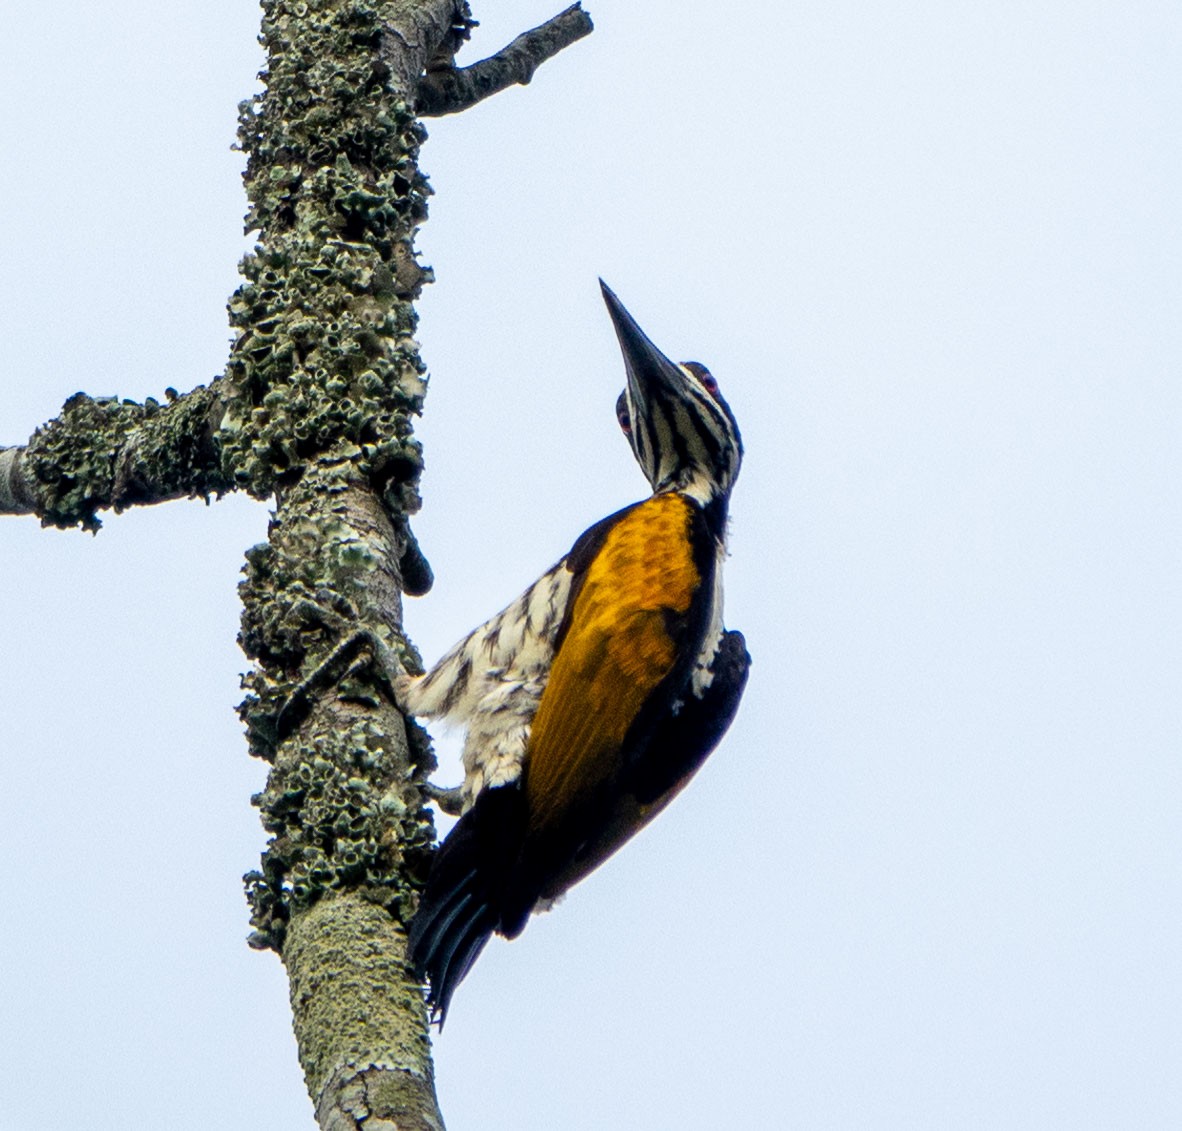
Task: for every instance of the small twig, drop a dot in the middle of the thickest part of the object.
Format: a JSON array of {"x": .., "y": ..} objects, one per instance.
[{"x": 452, "y": 89}]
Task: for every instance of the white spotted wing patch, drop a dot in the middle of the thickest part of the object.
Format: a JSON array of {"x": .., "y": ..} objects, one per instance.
[{"x": 492, "y": 681}]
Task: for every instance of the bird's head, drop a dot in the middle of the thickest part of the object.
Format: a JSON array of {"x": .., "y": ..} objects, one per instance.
[{"x": 682, "y": 432}]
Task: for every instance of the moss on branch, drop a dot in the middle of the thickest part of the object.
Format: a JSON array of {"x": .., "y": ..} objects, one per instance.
[
  {"x": 322, "y": 386},
  {"x": 315, "y": 410},
  {"x": 364, "y": 1066},
  {"x": 103, "y": 453},
  {"x": 325, "y": 351}
]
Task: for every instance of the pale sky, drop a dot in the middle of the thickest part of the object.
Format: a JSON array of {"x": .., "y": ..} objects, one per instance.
[{"x": 933, "y": 876}]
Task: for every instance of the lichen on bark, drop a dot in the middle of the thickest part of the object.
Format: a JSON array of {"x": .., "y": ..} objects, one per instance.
[
  {"x": 347, "y": 968},
  {"x": 323, "y": 382},
  {"x": 325, "y": 350},
  {"x": 343, "y": 800},
  {"x": 103, "y": 453}
]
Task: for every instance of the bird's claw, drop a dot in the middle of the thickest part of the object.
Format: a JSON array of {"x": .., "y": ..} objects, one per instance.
[{"x": 451, "y": 801}]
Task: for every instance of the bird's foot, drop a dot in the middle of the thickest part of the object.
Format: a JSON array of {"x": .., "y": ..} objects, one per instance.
[
  {"x": 451, "y": 801},
  {"x": 357, "y": 651}
]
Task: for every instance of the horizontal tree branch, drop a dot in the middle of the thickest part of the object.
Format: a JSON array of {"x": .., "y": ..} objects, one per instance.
[
  {"x": 108, "y": 454},
  {"x": 16, "y": 493},
  {"x": 449, "y": 90}
]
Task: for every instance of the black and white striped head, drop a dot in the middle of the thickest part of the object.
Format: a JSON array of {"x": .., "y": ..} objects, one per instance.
[{"x": 682, "y": 432}]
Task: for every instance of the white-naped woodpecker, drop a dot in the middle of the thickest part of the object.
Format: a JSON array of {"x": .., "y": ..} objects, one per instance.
[{"x": 594, "y": 697}]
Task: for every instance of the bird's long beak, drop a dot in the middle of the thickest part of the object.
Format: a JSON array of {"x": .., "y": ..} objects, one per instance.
[{"x": 649, "y": 370}]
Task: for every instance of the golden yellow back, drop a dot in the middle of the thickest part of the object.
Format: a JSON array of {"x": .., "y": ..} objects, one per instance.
[{"x": 616, "y": 651}]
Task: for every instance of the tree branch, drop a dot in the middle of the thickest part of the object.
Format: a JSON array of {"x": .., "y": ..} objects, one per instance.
[
  {"x": 107, "y": 454},
  {"x": 451, "y": 89},
  {"x": 419, "y": 33},
  {"x": 323, "y": 384},
  {"x": 346, "y": 960},
  {"x": 350, "y": 836},
  {"x": 16, "y": 490}
]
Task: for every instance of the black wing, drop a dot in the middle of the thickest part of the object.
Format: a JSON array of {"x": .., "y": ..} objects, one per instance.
[{"x": 671, "y": 751}]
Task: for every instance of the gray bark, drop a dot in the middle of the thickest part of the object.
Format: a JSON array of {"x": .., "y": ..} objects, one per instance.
[
  {"x": 349, "y": 983},
  {"x": 448, "y": 90}
]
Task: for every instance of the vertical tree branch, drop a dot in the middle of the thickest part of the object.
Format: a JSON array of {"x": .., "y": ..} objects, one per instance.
[
  {"x": 322, "y": 384},
  {"x": 342, "y": 802}
]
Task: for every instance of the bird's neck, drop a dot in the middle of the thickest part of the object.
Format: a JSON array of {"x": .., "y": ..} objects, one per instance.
[{"x": 703, "y": 492}]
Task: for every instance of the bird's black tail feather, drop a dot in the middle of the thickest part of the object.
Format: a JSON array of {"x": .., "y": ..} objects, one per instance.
[{"x": 461, "y": 905}]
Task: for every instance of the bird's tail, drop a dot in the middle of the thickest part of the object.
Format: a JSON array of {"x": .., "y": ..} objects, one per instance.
[{"x": 460, "y": 906}]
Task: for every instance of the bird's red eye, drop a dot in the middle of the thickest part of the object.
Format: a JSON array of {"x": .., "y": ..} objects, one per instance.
[
  {"x": 705, "y": 376},
  {"x": 622, "y": 415}
]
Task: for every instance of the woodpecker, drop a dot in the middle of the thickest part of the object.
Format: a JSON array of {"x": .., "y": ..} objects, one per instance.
[{"x": 593, "y": 698}]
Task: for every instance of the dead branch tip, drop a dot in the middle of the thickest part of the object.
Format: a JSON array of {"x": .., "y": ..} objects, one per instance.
[{"x": 448, "y": 90}]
